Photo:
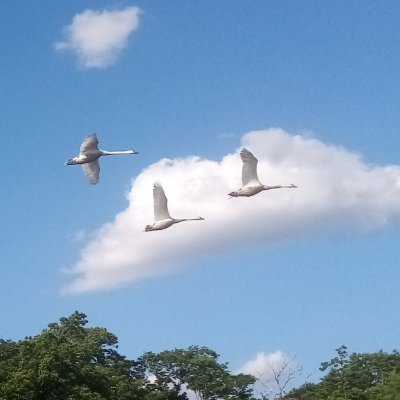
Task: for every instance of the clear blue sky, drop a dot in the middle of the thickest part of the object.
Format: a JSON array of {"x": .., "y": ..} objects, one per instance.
[{"x": 193, "y": 78}]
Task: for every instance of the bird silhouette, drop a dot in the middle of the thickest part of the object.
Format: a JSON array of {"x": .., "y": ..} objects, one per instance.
[
  {"x": 162, "y": 218},
  {"x": 251, "y": 183},
  {"x": 89, "y": 155}
]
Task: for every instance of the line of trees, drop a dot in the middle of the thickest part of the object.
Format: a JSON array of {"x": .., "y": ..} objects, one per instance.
[
  {"x": 69, "y": 361},
  {"x": 356, "y": 376}
]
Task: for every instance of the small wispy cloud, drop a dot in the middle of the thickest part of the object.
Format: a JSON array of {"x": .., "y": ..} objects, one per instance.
[
  {"x": 337, "y": 191},
  {"x": 98, "y": 37},
  {"x": 78, "y": 236},
  {"x": 226, "y": 135},
  {"x": 262, "y": 365},
  {"x": 275, "y": 372}
]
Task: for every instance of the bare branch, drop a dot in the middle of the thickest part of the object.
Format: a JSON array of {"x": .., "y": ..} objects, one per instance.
[{"x": 277, "y": 378}]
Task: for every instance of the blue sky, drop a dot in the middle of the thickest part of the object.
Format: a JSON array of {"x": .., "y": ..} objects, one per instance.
[{"x": 192, "y": 79}]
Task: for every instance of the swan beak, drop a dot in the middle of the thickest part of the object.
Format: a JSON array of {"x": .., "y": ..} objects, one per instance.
[{"x": 135, "y": 152}]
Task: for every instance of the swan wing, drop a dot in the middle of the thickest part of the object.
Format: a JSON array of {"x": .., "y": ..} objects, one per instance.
[
  {"x": 89, "y": 144},
  {"x": 249, "y": 170},
  {"x": 160, "y": 203},
  {"x": 92, "y": 171}
]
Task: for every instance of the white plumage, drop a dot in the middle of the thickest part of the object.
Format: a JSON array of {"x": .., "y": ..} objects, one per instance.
[
  {"x": 251, "y": 183},
  {"x": 89, "y": 155},
  {"x": 162, "y": 218}
]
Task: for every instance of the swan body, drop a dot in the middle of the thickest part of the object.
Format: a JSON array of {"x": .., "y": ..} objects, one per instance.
[
  {"x": 89, "y": 155},
  {"x": 251, "y": 183},
  {"x": 162, "y": 218}
]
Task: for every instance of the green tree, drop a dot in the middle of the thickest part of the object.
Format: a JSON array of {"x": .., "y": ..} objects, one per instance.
[
  {"x": 389, "y": 390},
  {"x": 198, "y": 368},
  {"x": 350, "y": 377},
  {"x": 68, "y": 361}
]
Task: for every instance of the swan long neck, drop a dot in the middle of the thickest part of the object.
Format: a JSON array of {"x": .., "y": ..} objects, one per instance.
[
  {"x": 279, "y": 187},
  {"x": 113, "y": 153},
  {"x": 177, "y": 220},
  {"x": 265, "y": 187}
]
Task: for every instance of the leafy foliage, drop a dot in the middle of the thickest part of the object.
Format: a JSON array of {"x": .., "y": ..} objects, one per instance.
[
  {"x": 389, "y": 390},
  {"x": 68, "y": 361},
  {"x": 352, "y": 377},
  {"x": 198, "y": 368}
]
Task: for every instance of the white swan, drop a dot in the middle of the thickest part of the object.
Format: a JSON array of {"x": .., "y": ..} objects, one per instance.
[
  {"x": 251, "y": 183},
  {"x": 162, "y": 219},
  {"x": 89, "y": 155}
]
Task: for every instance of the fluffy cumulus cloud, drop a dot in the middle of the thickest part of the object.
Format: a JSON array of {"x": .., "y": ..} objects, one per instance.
[
  {"x": 337, "y": 190},
  {"x": 263, "y": 365},
  {"x": 97, "y": 37},
  {"x": 275, "y": 372}
]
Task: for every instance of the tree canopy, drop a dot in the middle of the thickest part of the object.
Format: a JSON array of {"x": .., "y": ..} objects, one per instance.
[
  {"x": 199, "y": 369},
  {"x": 68, "y": 361},
  {"x": 71, "y": 361},
  {"x": 356, "y": 376}
]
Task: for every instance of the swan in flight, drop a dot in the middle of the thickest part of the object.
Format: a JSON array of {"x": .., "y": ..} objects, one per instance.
[
  {"x": 251, "y": 183},
  {"x": 162, "y": 219},
  {"x": 89, "y": 155}
]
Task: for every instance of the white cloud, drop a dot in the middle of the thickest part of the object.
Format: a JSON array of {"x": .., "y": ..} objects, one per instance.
[
  {"x": 275, "y": 372},
  {"x": 77, "y": 237},
  {"x": 336, "y": 191},
  {"x": 263, "y": 364},
  {"x": 97, "y": 37}
]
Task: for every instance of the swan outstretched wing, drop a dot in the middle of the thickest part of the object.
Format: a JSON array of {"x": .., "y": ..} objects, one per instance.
[
  {"x": 160, "y": 203},
  {"x": 89, "y": 143},
  {"x": 249, "y": 170},
  {"x": 92, "y": 171}
]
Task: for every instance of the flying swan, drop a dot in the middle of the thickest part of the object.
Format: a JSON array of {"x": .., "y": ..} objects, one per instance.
[
  {"x": 162, "y": 219},
  {"x": 251, "y": 183},
  {"x": 89, "y": 155}
]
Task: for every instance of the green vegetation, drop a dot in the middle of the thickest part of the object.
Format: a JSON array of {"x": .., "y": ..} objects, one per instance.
[
  {"x": 69, "y": 361},
  {"x": 199, "y": 369},
  {"x": 356, "y": 376}
]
